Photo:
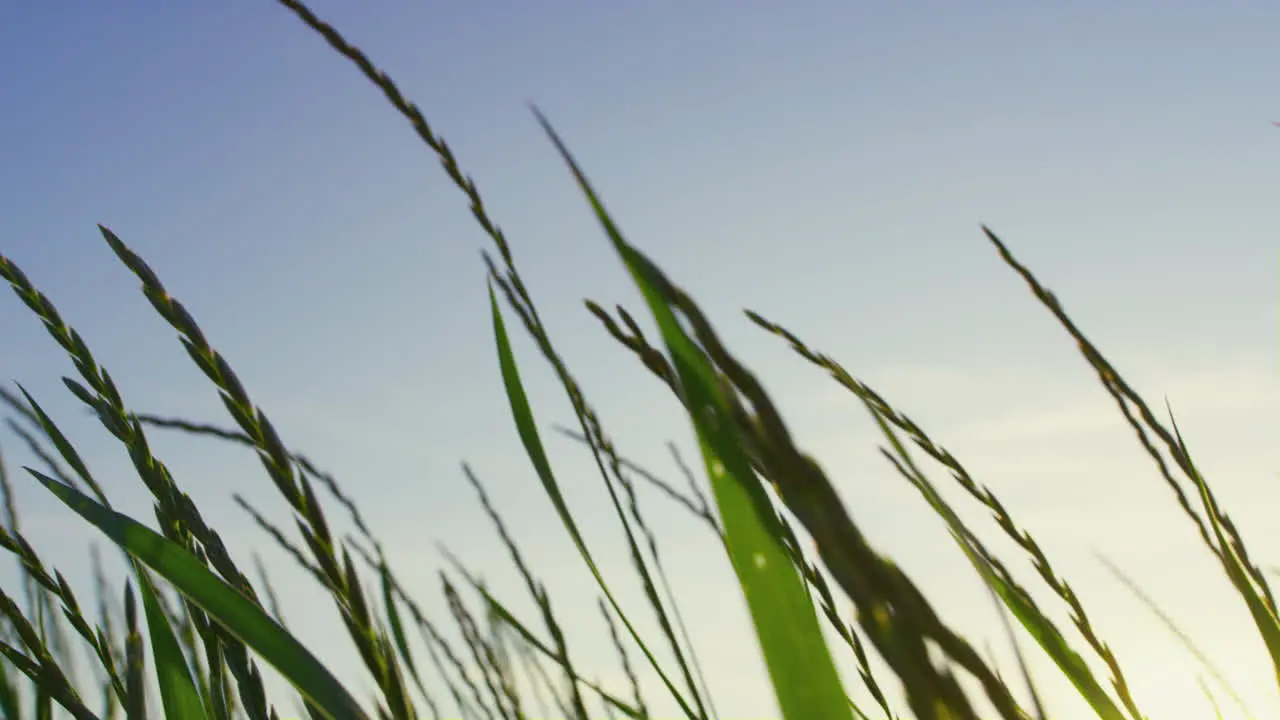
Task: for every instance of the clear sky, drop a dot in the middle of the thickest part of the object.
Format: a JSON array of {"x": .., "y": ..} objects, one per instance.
[{"x": 826, "y": 164}]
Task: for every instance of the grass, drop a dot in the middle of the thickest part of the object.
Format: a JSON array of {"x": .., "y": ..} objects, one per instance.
[{"x": 209, "y": 627}]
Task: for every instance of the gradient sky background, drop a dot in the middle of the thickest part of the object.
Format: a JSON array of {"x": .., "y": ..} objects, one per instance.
[{"x": 826, "y": 164}]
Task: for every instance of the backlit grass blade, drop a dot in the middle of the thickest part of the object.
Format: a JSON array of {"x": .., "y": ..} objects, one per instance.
[
  {"x": 135, "y": 660},
  {"x": 395, "y": 624},
  {"x": 63, "y": 446},
  {"x": 1217, "y": 711},
  {"x": 1264, "y": 618},
  {"x": 222, "y": 602},
  {"x": 528, "y": 430},
  {"x": 178, "y": 692},
  {"x": 8, "y": 694},
  {"x": 804, "y": 676},
  {"x": 1041, "y": 628}
]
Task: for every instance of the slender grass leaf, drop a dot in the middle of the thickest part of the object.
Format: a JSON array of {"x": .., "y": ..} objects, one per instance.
[
  {"x": 523, "y": 416},
  {"x": 43, "y": 704},
  {"x": 8, "y": 694},
  {"x": 64, "y": 447},
  {"x": 1264, "y": 618},
  {"x": 224, "y": 603},
  {"x": 178, "y": 692},
  {"x": 397, "y": 626},
  {"x": 1204, "y": 687},
  {"x": 804, "y": 676},
  {"x": 134, "y": 661},
  {"x": 1041, "y": 628},
  {"x": 393, "y": 616}
]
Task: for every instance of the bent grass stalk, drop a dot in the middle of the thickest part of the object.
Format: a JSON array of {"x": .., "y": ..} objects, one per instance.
[{"x": 203, "y": 615}]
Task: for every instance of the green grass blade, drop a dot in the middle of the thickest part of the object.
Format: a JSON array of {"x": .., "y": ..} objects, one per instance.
[
  {"x": 135, "y": 660},
  {"x": 1204, "y": 687},
  {"x": 804, "y": 676},
  {"x": 63, "y": 446},
  {"x": 8, "y": 694},
  {"x": 397, "y": 629},
  {"x": 523, "y": 416},
  {"x": 43, "y": 704},
  {"x": 1264, "y": 617},
  {"x": 242, "y": 618},
  {"x": 178, "y": 691},
  {"x": 1045, "y": 633},
  {"x": 393, "y": 617}
]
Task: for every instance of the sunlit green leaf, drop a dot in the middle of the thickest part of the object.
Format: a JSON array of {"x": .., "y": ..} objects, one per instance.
[{"x": 224, "y": 603}]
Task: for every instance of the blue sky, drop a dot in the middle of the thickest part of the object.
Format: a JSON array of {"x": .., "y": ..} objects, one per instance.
[{"x": 825, "y": 164}]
